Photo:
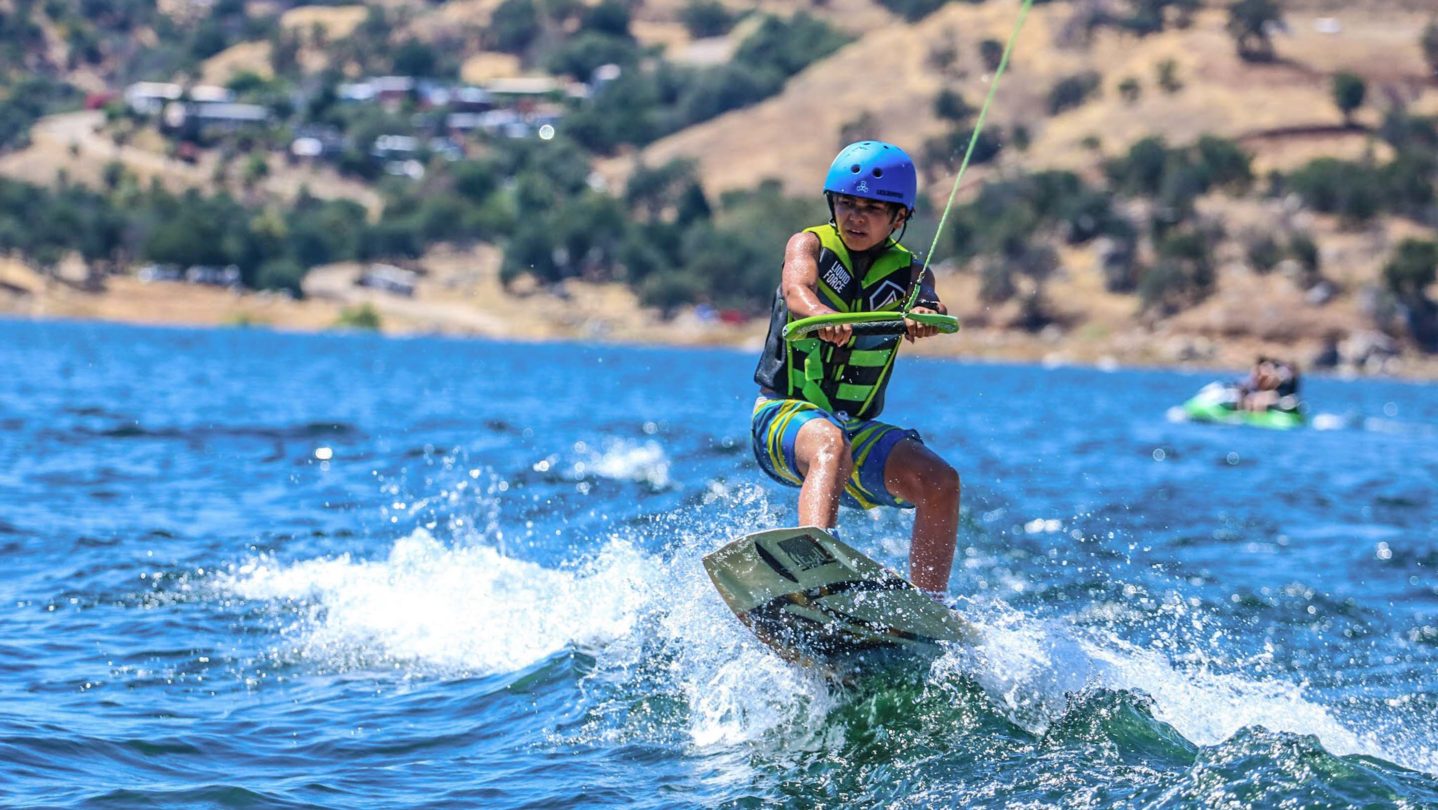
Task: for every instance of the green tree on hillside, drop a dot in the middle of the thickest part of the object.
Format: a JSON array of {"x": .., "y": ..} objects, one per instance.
[
  {"x": 1183, "y": 276},
  {"x": 1249, "y": 22},
  {"x": 415, "y": 58},
  {"x": 514, "y": 26},
  {"x": 1410, "y": 272},
  {"x": 991, "y": 52},
  {"x": 789, "y": 46},
  {"x": 1150, "y": 16},
  {"x": 1130, "y": 89},
  {"x": 949, "y": 105},
  {"x": 26, "y": 100},
  {"x": 654, "y": 192},
  {"x": 706, "y": 18},
  {"x": 912, "y": 10},
  {"x": 1073, "y": 91},
  {"x": 1348, "y": 92},
  {"x": 1429, "y": 43},
  {"x": 1167, "y": 76},
  {"x": 609, "y": 17}
]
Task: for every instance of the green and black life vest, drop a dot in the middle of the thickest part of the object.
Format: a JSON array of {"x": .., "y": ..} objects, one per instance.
[{"x": 848, "y": 380}]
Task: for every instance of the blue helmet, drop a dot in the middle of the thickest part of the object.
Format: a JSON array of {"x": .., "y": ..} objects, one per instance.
[{"x": 874, "y": 170}]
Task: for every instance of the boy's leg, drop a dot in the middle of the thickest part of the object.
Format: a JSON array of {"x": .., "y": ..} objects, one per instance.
[
  {"x": 821, "y": 451},
  {"x": 917, "y": 474}
]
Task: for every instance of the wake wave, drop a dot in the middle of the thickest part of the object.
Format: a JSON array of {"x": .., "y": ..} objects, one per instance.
[
  {"x": 1033, "y": 669},
  {"x": 656, "y": 623}
]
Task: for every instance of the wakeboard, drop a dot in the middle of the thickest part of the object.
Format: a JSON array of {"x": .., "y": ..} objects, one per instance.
[{"x": 817, "y": 601}]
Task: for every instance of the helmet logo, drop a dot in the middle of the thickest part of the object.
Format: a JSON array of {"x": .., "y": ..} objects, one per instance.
[{"x": 863, "y": 187}]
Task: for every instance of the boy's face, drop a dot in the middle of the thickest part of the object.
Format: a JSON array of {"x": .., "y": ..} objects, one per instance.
[{"x": 865, "y": 223}]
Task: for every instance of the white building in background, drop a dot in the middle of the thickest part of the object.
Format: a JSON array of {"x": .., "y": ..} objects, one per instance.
[
  {"x": 221, "y": 115},
  {"x": 150, "y": 98},
  {"x": 210, "y": 94}
]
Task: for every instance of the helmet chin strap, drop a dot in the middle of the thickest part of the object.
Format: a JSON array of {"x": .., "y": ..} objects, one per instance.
[{"x": 903, "y": 230}]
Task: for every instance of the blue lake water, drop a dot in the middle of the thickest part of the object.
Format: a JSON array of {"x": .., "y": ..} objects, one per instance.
[{"x": 256, "y": 569}]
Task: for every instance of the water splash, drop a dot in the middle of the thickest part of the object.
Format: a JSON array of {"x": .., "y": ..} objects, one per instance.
[
  {"x": 1033, "y": 668},
  {"x": 438, "y": 607},
  {"x": 622, "y": 460}
]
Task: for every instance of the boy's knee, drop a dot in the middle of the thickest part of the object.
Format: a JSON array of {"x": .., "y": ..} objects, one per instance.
[
  {"x": 925, "y": 478},
  {"x": 945, "y": 478},
  {"x": 825, "y": 441},
  {"x": 939, "y": 482}
]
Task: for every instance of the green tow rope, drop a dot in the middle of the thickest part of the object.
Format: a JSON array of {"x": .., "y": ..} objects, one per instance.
[{"x": 973, "y": 141}]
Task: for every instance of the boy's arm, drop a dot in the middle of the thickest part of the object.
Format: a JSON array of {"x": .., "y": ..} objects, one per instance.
[{"x": 800, "y": 284}]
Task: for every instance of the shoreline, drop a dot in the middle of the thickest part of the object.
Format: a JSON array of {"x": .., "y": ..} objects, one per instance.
[{"x": 472, "y": 304}]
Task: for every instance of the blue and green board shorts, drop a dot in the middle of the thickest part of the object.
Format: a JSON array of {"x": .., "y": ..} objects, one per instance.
[{"x": 776, "y": 425}]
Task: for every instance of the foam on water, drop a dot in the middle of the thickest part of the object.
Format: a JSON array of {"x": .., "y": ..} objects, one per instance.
[
  {"x": 1032, "y": 667},
  {"x": 468, "y": 608},
  {"x": 737, "y": 689}
]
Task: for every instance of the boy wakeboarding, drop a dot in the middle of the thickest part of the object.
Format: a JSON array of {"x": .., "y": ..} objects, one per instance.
[{"x": 814, "y": 424}]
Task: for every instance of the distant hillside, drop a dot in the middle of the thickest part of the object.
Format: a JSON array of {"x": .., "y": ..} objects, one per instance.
[
  {"x": 1283, "y": 112},
  {"x": 1092, "y": 222}
]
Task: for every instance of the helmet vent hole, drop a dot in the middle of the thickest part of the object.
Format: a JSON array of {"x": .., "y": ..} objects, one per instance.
[
  {"x": 856, "y": 168},
  {"x": 878, "y": 172}
]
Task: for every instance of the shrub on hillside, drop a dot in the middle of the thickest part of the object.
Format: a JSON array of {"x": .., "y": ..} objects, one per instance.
[
  {"x": 364, "y": 316},
  {"x": 1183, "y": 275},
  {"x": 514, "y": 26},
  {"x": 1348, "y": 92},
  {"x": 1176, "y": 177},
  {"x": 789, "y": 46},
  {"x": 669, "y": 289},
  {"x": 949, "y": 105},
  {"x": 1407, "y": 276},
  {"x": 1167, "y": 77},
  {"x": 608, "y": 17},
  {"x": 991, "y": 52},
  {"x": 1264, "y": 253},
  {"x": 1404, "y": 131},
  {"x": 1408, "y": 181},
  {"x": 1429, "y": 43},
  {"x": 657, "y": 191},
  {"x": 947, "y": 151},
  {"x": 1073, "y": 91},
  {"x": 1141, "y": 171},
  {"x": 997, "y": 282},
  {"x": 718, "y": 90},
  {"x": 912, "y": 10},
  {"x": 587, "y": 51},
  {"x": 706, "y": 18},
  {"x": 649, "y": 102},
  {"x": 1129, "y": 89},
  {"x": 1412, "y": 269},
  {"x": 1223, "y": 164},
  {"x": 26, "y": 101},
  {"x": 628, "y": 110},
  {"x": 1341, "y": 187},
  {"x": 1118, "y": 258},
  {"x": 281, "y": 274},
  {"x": 1249, "y": 23}
]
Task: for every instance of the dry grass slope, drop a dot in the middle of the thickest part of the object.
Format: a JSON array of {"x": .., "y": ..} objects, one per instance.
[{"x": 1282, "y": 112}]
